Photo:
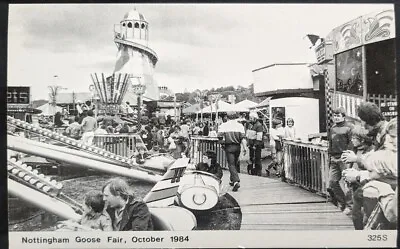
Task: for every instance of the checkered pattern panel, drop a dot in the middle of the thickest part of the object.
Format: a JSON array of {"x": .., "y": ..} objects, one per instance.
[{"x": 328, "y": 103}]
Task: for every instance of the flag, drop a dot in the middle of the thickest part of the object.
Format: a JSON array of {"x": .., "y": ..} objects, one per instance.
[{"x": 313, "y": 38}]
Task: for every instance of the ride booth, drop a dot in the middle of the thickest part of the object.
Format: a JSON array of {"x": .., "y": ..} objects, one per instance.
[
  {"x": 292, "y": 91},
  {"x": 359, "y": 61}
]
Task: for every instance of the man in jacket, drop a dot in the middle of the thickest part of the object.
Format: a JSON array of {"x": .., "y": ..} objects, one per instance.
[
  {"x": 233, "y": 135},
  {"x": 127, "y": 214},
  {"x": 339, "y": 141},
  {"x": 254, "y": 136}
]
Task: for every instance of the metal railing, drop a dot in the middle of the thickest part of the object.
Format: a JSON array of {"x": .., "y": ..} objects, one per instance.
[
  {"x": 307, "y": 165},
  {"x": 121, "y": 144},
  {"x": 200, "y": 144}
]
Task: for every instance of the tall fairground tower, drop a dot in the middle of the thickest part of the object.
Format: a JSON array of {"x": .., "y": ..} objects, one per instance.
[
  {"x": 135, "y": 57},
  {"x": 132, "y": 80}
]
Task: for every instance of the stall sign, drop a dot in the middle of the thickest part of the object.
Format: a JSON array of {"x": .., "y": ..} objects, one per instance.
[
  {"x": 18, "y": 108},
  {"x": 324, "y": 52},
  {"x": 109, "y": 109},
  {"x": 18, "y": 95},
  {"x": 389, "y": 109}
]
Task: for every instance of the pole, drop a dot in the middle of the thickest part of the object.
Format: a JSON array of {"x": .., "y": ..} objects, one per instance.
[
  {"x": 73, "y": 102},
  {"x": 139, "y": 107},
  {"x": 201, "y": 114},
  {"x": 175, "y": 107}
]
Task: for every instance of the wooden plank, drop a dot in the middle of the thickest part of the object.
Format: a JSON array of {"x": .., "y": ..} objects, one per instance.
[
  {"x": 289, "y": 207},
  {"x": 292, "y": 217},
  {"x": 295, "y": 227},
  {"x": 269, "y": 204}
]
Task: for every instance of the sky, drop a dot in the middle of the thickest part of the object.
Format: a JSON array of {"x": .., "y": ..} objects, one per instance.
[{"x": 199, "y": 46}]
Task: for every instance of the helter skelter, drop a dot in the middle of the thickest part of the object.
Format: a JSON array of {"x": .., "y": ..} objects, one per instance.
[{"x": 134, "y": 66}]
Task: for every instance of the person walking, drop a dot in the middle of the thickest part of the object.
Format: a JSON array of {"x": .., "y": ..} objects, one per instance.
[{"x": 233, "y": 135}]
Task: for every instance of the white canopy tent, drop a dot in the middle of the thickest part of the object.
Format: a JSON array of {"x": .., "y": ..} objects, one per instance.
[
  {"x": 244, "y": 106},
  {"x": 222, "y": 107},
  {"x": 263, "y": 104},
  {"x": 49, "y": 110}
]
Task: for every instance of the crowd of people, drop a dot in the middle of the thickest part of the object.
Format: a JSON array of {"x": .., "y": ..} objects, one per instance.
[
  {"x": 364, "y": 155},
  {"x": 366, "y": 158}
]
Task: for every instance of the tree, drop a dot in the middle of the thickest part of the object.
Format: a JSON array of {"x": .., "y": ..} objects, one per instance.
[{"x": 53, "y": 94}]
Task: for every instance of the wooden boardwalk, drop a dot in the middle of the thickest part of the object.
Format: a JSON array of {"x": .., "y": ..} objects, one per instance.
[{"x": 269, "y": 204}]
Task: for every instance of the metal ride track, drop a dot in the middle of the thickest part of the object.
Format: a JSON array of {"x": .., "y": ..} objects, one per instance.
[
  {"x": 68, "y": 141},
  {"x": 152, "y": 54},
  {"x": 107, "y": 156}
]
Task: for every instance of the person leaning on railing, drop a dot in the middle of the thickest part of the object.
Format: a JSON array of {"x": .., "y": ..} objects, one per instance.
[{"x": 380, "y": 177}]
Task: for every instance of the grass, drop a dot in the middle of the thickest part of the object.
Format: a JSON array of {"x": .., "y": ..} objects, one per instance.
[{"x": 224, "y": 216}]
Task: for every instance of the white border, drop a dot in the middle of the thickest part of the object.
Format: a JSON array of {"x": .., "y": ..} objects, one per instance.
[{"x": 214, "y": 239}]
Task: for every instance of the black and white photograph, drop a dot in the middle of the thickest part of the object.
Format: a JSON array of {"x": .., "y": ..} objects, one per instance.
[{"x": 220, "y": 124}]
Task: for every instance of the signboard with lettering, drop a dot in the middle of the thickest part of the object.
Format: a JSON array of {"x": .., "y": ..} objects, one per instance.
[
  {"x": 389, "y": 109},
  {"x": 22, "y": 109},
  {"x": 110, "y": 109},
  {"x": 324, "y": 52},
  {"x": 18, "y": 95}
]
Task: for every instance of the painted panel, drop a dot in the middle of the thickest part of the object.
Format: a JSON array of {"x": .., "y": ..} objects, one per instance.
[
  {"x": 349, "y": 72},
  {"x": 347, "y": 36},
  {"x": 370, "y": 28},
  {"x": 378, "y": 26}
]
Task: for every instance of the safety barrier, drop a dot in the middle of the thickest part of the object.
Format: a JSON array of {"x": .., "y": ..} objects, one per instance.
[
  {"x": 121, "y": 144},
  {"x": 307, "y": 164},
  {"x": 200, "y": 144}
]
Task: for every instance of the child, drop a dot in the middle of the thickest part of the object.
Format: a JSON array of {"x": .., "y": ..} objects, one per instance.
[
  {"x": 276, "y": 134},
  {"x": 362, "y": 144},
  {"x": 141, "y": 157},
  {"x": 94, "y": 217},
  {"x": 339, "y": 141},
  {"x": 210, "y": 165},
  {"x": 290, "y": 131}
]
